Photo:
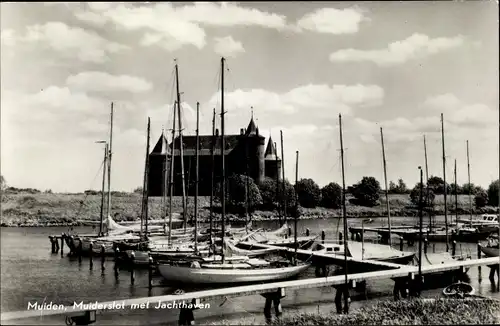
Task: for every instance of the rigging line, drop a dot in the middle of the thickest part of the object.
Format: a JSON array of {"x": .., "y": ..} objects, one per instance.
[{"x": 82, "y": 203}]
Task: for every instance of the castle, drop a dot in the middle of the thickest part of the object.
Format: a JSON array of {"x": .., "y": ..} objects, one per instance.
[{"x": 243, "y": 152}]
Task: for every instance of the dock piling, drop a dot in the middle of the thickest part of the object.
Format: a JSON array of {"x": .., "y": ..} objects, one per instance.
[
  {"x": 323, "y": 236},
  {"x": 132, "y": 269},
  {"x": 479, "y": 257},
  {"x": 91, "y": 255},
  {"x": 80, "y": 250},
  {"x": 426, "y": 243},
  {"x": 308, "y": 232},
  {"x": 273, "y": 298},
  {"x": 150, "y": 273},
  {"x": 103, "y": 258},
  {"x": 453, "y": 248},
  {"x": 116, "y": 267},
  {"x": 63, "y": 238},
  {"x": 52, "y": 244},
  {"x": 401, "y": 243}
]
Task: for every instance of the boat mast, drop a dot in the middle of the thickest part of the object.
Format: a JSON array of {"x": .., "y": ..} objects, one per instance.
[
  {"x": 247, "y": 186},
  {"x": 456, "y": 193},
  {"x": 283, "y": 176},
  {"x": 223, "y": 146},
  {"x": 468, "y": 176},
  {"x": 296, "y": 203},
  {"x": 196, "y": 177},
  {"x": 146, "y": 176},
  {"x": 171, "y": 191},
  {"x": 277, "y": 184},
  {"x": 181, "y": 146},
  {"x": 420, "y": 214},
  {"x": 212, "y": 179},
  {"x": 103, "y": 186},
  {"x": 427, "y": 186},
  {"x": 165, "y": 183},
  {"x": 444, "y": 184},
  {"x": 386, "y": 188},
  {"x": 344, "y": 214},
  {"x": 110, "y": 152}
]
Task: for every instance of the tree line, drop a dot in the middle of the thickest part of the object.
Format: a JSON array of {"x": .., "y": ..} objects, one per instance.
[{"x": 269, "y": 195}]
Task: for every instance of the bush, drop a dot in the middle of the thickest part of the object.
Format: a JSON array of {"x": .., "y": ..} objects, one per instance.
[
  {"x": 481, "y": 199},
  {"x": 427, "y": 196},
  {"x": 493, "y": 193},
  {"x": 436, "y": 184},
  {"x": 267, "y": 190},
  {"x": 289, "y": 195},
  {"x": 308, "y": 192},
  {"x": 331, "y": 195},
  {"x": 236, "y": 193},
  {"x": 367, "y": 192},
  {"x": 138, "y": 190}
]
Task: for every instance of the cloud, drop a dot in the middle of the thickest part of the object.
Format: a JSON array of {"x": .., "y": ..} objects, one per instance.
[
  {"x": 462, "y": 114},
  {"x": 97, "y": 81},
  {"x": 332, "y": 21},
  {"x": 172, "y": 27},
  {"x": 414, "y": 47},
  {"x": 324, "y": 99},
  {"x": 227, "y": 46},
  {"x": 70, "y": 42}
]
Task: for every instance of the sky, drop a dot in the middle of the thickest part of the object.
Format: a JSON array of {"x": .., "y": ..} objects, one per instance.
[{"x": 390, "y": 65}]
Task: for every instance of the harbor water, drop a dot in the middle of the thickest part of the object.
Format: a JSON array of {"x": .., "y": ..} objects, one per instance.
[{"x": 31, "y": 273}]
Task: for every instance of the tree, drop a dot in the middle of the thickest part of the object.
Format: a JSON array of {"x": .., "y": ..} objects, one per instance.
[
  {"x": 3, "y": 183},
  {"x": 267, "y": 190},
  {"x": 236, "y": 193},
  {"x": 331, "y": 195},
  {"x": 367, "y": 192},
  {"x": 402, "y": 189},
  {"x": 308, "y": 192},
  {"x": 493, "y": 193},
  {"x": 393, "y": 188},
  {"x": 472, "y": 187},
  {"x": 481, "y": 199},
  {"x": 138, "y": 190},
  {"x": 428, "y": 196},
  {"x": 459, "y": 189},
  {"x": 289, "y": 194},
  {"x": 436, "y": 184}
]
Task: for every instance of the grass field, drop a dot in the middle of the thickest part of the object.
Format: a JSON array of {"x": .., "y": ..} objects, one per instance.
[
  {"x": 40, "y": 209},
  {"x": 413, "y": 312}
]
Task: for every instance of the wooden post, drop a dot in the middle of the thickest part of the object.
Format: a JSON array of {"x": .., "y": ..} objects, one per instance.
[
  {"x": 91, "y": 255},
  {"x": 323, "y": 236},
  {"x": 453, "y": 247},
  {"x": 80, "y": 244},
  {"x": 117, "y": 269},
  {"x": 426, "y": 243},
  {"x": 308, "y": 232},
  {"x": 150, "y": 273},
  {"x": 52, "y": 244},
  {"x": 132, "y": 269},
  {"x": 401, "y": 243},
  {"x": 63, "y": 238},
  {"x": 103, "y": 258}
]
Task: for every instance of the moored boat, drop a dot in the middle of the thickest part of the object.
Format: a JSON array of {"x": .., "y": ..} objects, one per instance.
[{"x": 458, "y": 290}]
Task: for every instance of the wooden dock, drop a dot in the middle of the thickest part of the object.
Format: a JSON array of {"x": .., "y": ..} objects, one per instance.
[{"x": 272, "y": 291}]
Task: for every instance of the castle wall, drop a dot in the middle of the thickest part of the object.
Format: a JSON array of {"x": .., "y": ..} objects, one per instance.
[{"x": 271, "y": 170}]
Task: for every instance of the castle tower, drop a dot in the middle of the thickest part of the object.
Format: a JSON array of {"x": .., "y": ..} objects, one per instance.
[
  {"x": 158, "y": 166},
  {"x": 272, "y": 163},
  {"x": 256, "y": 148}
]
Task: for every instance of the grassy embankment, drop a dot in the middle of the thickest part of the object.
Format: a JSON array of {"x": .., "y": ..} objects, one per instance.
[
  {"x": 406, "y": 312},
  {"x": 40, "y": 209}
]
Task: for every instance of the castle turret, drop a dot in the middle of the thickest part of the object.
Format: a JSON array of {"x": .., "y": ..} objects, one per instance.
[
  {"x": 158, "y": 166},
  {"x": 271, "y": 161},
  {"x": 256, "y": 149}
]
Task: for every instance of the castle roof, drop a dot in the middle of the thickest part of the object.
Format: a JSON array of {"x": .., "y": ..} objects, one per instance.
[
  {"x": 252, "y": 128},
  {"x": 231, "y": 141},
  {"x": 161, "y": 147},
  {"x": 271, "y": 152}
]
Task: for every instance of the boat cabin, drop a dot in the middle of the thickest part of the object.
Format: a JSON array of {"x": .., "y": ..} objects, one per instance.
[{"x": 490, "y": 218}]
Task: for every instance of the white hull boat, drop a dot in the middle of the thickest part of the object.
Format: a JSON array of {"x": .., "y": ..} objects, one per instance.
[{"x": 228, "y": 273}]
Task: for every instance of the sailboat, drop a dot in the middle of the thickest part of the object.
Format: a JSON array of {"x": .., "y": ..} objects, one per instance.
[{"x": 227, "y": 269}]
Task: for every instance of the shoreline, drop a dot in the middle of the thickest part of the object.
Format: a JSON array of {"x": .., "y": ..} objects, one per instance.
[{"x": 58, "y": 210}]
